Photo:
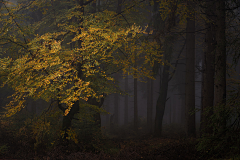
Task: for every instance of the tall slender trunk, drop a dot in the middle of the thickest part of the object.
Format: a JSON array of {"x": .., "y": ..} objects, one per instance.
[
  {"x": 149, "y": 104},
  {"x": 162, "y": 98},
  {"x": 208, "y": 69},
  {"x": 116, "y": 107},
  {"x": 168, "y": 49},
  {"x": 135, "y": 99},
  {"x": 107, "y": 116},
  {"x": 116, "y": 96},
  {"x": 170, "y": 114},
  {"x": 126, "y": 102},
  {"x": 190, "y": 72},
  {"x": 220, "y": 60}
]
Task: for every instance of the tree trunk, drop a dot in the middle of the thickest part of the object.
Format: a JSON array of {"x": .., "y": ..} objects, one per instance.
[
  {"x": 96, "y": 115},
  {"x": 190, "y": 73},
  {"x": 162, "y": 98},
  {"x": 220, "y": 60},
  {"x": 208, "y": 69},
  {"x": 183, "y": 112},
  {"x": 107, "y": 116},
  {"x": 126, "y": 102},
  {"x": 149, "y": 104},
  {"x": 135, "y": 99},
  {"x": 67, "y": 120},
  {"x": 167, "y": 47},
  {"x": 116, "y": 108},
  {"x": 116, "y": 98},
  {"x": 170, "y": 114}
]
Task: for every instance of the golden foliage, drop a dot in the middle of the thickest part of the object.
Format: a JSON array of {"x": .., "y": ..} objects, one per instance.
[{"x": 46, "y": 64}]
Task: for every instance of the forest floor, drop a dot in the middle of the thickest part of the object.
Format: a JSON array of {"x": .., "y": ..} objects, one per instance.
[
  {"x": 116, "y": 146},
  {"x": 146, "y": 148}
]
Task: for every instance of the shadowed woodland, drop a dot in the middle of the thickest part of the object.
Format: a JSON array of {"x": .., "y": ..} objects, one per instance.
[{"x": 119, "y": 79}]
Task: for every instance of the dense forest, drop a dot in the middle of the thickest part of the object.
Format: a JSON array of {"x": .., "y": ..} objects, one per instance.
[{"x": 119, "y": 79}]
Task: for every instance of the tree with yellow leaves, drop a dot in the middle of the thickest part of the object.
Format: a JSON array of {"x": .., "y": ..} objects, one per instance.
[{"x": 69, "y": 54}]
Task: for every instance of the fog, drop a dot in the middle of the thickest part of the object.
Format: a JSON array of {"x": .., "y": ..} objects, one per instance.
[{"x": 94, "y": 76}]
